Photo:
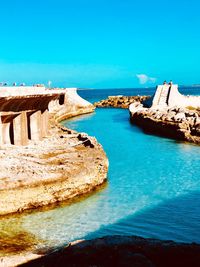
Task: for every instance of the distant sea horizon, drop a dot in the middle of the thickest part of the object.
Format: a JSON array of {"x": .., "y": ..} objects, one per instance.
[
  {"x": 197, "y": 86},
  {"x": 94, "y": 95}
]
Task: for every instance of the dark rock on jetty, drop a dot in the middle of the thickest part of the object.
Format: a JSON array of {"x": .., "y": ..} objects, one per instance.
[
  {"x": 177, "y": 123},
  {"x": 122, "y": 251},
  {"x": 120, "y": 101}
]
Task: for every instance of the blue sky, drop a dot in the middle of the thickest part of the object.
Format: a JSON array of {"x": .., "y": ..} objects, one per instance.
[{"x": 100, "y": 43}]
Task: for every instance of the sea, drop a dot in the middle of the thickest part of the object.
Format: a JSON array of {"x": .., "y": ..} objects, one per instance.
[
  {"x": 94, "y": 95},
  {"x": 153, "y": 187}
]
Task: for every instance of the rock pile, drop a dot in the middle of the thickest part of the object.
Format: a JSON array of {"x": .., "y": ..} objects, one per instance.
[
  {"x": 178, "y": 123},
  {"x": 120, "y": 101}
]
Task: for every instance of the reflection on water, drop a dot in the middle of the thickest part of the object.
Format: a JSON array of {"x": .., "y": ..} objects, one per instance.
[
  {"x": 152, "y": 190},
  {"x": 14, "y": 238},
  {"x": 38, "y": 230}
]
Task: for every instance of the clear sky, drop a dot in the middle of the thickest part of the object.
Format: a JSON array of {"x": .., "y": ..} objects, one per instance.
[{"x": 100, "y": 43}]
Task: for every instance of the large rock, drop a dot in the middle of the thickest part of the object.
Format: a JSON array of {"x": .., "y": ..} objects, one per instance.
[
  {"x": 122, "y": 251},
  {"x": 120, "y": 101},
  {"x": 177, "y": 123}
]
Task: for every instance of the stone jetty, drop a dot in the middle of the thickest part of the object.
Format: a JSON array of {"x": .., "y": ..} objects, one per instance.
[
  {"x": 120, "y": 101},
  {"x": 170, "y": 114}
]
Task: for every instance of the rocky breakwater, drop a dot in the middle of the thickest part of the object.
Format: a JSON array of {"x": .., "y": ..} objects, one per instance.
[
  {"x": 175, "y": 122},
  {"x": 120, "y": 101}
]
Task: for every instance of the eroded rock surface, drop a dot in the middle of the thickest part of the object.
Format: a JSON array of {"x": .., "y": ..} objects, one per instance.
[
  {"x": 175, "y": 122},
  {"x": 58, "y": 168},
  {"x": 120, "y": 101}
]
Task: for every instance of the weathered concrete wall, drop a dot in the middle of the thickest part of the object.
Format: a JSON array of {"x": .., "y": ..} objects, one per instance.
[
  {"x": 24, "y": 117},
  {"x": 167, "y": 95},
  {"x": 21, "y": 90},
  {"x": 177, "y": 99},
  {"x": 69, "y": 104},
  {"x": 24, "y": 111}
]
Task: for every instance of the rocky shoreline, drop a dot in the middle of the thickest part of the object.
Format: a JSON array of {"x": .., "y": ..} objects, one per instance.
[
  {"x": 121, "y": 251},
  {"x": 178, "y": 123},
  {"x": 120, "y": 101},
  {"x": 61, "y": 167}
]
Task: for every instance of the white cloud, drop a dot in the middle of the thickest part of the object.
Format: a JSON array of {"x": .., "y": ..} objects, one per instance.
[{"x": 143, "y": 79}]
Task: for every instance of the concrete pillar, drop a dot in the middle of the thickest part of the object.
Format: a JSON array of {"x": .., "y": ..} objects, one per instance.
[
  {"x": 6, "y": 129},
  {"x": 35, "y": 125},
  {"x": 20, "y": 129},
  {"x": 1, "y": 134},
  {"x": 45, "y": 123},
  {"x": 6, "y": 133}
]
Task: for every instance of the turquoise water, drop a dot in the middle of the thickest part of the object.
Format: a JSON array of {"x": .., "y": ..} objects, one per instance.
[
  {"x": 153, "y": 189},
  {"x": 154, "y": 185}
]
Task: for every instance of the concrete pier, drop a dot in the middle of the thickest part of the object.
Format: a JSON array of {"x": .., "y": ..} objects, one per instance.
[
  {"x": 24, "y": 114},
  {"x": 24, "y": 111},
  {"x": 20, "y": 129}
]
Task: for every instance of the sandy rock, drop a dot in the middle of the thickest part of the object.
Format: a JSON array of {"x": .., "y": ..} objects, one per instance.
[
  {"x": 180, "y": 116},
  {"x": 120, "y": 101},
  {"x": 177, "y": 123}
]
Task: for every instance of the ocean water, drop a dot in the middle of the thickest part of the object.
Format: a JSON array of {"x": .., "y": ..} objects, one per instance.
[
  {"x": 153, "y": 189},
  {"x": 154, "y": 186},
  {"x": 94, "y": 95}
]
